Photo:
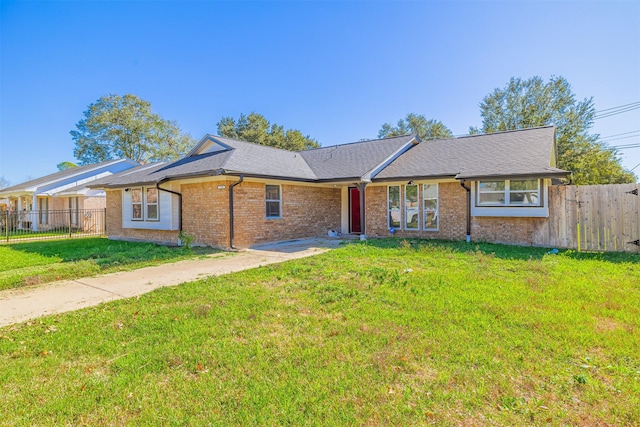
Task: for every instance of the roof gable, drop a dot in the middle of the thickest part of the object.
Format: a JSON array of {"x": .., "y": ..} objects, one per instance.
[
  {"x": 527, "y": 152},
  {"x": 360, "y": 160},
  {"x": 74, "y": 177}
]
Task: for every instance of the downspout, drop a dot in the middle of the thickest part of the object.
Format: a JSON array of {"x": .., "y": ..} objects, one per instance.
[
  {"x": 468, "y": 209},
  {"x": 363, "y": 230},
  {"x": 231, "y": 229},
  {"x": 179, "y": 201}
]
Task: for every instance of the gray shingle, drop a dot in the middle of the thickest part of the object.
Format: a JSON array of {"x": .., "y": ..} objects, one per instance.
[
  {"x": 353, "y": 160},
  {"x": 502, "y": 154}
]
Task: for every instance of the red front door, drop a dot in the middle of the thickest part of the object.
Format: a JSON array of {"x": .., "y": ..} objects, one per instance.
[{"x": 354, "y": 210}]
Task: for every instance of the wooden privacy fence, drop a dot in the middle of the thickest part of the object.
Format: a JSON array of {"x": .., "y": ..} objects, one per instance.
[{"x": 592, "y": 218}]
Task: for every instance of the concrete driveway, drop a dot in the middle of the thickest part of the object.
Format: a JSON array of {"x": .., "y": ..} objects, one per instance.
[{"x": 22, "y": 304}]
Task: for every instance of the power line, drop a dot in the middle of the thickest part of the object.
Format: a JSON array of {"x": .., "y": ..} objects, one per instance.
[
  {"x": 620, "y": 106},
  {"x": 622, "y": 137},
  {"x": 619, "y": 134},
  {"x": 619, "y": 110}
]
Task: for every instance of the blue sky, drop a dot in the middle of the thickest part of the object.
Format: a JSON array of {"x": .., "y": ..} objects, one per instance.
[{"x": 334, "y": 70}]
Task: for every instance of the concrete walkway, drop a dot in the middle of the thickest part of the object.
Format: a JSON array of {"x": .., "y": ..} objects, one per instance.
[{"x": 19, "y": 305}]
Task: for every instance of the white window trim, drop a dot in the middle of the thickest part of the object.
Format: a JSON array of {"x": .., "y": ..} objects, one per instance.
[
  {"x": 417, "y": 208},
  {"x": 507, "y": 194},
  {"x": 279, "y": 201},
  {"x": 513, "y": 210},
  {"x": 389, "y": 208},
  {"x": 147, "y": 204},
  {"x": 437, "y": 209},
  {"x": 141, "y": 203}
]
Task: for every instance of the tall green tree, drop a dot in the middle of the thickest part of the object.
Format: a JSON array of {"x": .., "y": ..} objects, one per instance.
[
  {"x": 530, "y": 103},
  {"x": 257, "y": 129},
  {"x": 426, "y": 129},
  {"x": 63, "y": 166},
  {"x": 124, "y": 126}
]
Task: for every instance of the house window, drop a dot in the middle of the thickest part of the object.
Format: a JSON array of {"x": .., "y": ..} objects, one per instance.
[
  {"x": 393, "y": 206},
  {"x": 151, "y": 204},
  {"x": 430, "y": 205},
  {"x": 411, "y": 207},
  {"x": 273, "y": 198},
  {"x": 43, "y": 209},
  {"x": 136, "y": 204},
  {"x": 73, "y": 209},
  {"x": 521, "y": 192}
]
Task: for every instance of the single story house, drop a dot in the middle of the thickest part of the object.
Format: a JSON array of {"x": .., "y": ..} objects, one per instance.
[
  {"x": 229, "y": 193},
  {"x": 37, "y": 199}
]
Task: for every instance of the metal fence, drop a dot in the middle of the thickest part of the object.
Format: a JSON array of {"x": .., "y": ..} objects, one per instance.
[{"x": 51, "y": 224}]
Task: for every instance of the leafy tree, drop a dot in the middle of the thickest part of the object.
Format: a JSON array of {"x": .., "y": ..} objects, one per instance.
[
  {"x": 66, "y": 165},
  {"x": 532, "y": 102},
  {"x": 257, "y": 129},
  {"x": 124, "y": 126},
  {"x": 418, "y": 124}
]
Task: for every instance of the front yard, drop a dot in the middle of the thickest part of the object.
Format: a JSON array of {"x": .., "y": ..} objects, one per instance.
[
  {"x": 384, "y": 332},
  {"x": 32, "y": 263}
]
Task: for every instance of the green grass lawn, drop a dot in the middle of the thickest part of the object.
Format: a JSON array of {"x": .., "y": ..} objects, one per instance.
[
  {"x": 30, "y": 263},
  {"x": 375, "y": 333}
]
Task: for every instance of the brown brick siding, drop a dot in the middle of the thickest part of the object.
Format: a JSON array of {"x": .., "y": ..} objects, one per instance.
[
  {"x": 452, "y": 211},
  {"x": 453, "y": 219},
  {"x": 205, "y": 213},
  {"x": 91, "y": 203},
  {"x": 306, "y": 212}
]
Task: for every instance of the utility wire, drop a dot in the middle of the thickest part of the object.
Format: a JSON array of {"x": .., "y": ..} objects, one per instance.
[
  {"x": 616, "y": 112},
  {"x": 619, "y": 134},
  {"x": 620, "y": 106},
  {"x": 622, "y": 137}
]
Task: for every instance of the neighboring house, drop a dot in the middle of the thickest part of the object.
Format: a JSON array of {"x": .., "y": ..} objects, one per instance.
[
  {"x": 229, "y": 193},
  {"x": 34, "y": 201}
]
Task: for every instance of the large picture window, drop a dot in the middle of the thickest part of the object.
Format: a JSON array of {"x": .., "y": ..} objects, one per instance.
[
  {"x": 430, "y": 206},
  {"x": 273, "y": 198},
  {"x": 393, "y": 206},
  {"x": 411, "y": 207},
  {"x": 521, "y": 192}
]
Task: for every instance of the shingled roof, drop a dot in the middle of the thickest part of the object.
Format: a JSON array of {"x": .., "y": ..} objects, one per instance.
[
  {"x": 518, "y": 153},
  {"x": 515, "y": 153},
  {"x": 356, "y": 160}
]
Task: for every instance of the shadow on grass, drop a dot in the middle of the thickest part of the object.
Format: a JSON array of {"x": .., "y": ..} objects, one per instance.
[
  {"x": 106, "y": 251},
  {"x": 501, "y": 251}
]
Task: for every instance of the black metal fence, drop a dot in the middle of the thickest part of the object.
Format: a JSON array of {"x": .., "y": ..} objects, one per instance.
[{"x": 51, "y": 224}]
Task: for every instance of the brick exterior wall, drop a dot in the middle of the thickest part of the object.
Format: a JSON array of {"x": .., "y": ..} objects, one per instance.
[
  {"x": 115, "y": 230},
  {"x": 453, "y": 219},
  {"x": 91, "y": 202},
  {"x": 452, "y": 201},
  {"x": 205, "y": 212},
  {"x": 306, "y": 212}
]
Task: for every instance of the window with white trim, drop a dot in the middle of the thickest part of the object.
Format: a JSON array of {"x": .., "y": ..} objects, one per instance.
[
  {"x": 430, "y": 206},
  {"x": 151, "y": 204},
  {"x": 411, "y": 207},
  {"x": 273, "y": 200},
  {"x": 514, "y": 192},
  {"x": 393, "y": 206},
  {"x": 136, "y": 204}
]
